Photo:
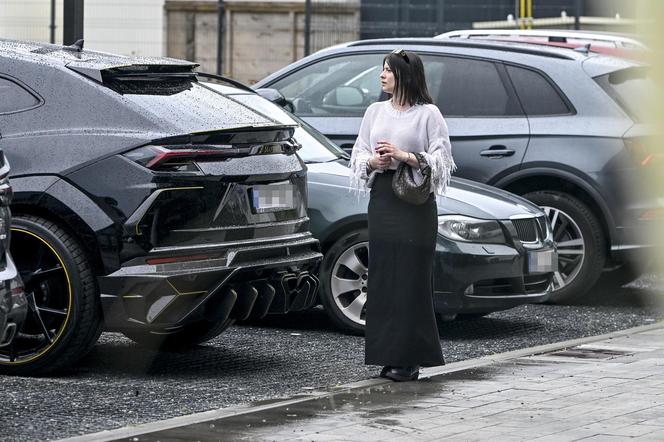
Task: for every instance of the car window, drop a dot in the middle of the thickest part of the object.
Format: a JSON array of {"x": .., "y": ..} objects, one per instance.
[
  {"x": 14, "y": 98},
  {"x": 347, "y": 85},
  {"x": 192, "y": 109},
  {"x": 339, "y": 86},
  {"x": 316, "y": 148},
  {"x": 469, "y": 88},
  {"x": 630, "y": 88},
  {"x": 537, "y": 95}
]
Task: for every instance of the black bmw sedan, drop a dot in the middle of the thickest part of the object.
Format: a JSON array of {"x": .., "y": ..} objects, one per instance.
[{"x": 494, "y": 249}]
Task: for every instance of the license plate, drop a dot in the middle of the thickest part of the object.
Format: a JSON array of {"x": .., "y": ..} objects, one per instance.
[
  {"x": 272, "y": 197},
  {"x": 542, "y": 261}
]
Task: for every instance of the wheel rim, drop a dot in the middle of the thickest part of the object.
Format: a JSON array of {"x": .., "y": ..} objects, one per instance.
[
  {"x": 349, "y": 282},
  {"x": 49, "y": 292},
  {"x": 570, "y": 244}
]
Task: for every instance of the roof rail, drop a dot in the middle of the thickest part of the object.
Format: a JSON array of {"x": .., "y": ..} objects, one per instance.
[{"x": 516, "y": 47}]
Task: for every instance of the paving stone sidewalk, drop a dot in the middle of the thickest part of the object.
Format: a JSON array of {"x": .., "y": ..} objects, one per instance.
[{"x": 608, "y": 389}]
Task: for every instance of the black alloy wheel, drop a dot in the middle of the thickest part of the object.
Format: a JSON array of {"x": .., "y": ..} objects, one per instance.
[
  {"x": 344, "y": 280},
  {"x": 580, "y": 241},
  {"x": 64, "y": 316}
]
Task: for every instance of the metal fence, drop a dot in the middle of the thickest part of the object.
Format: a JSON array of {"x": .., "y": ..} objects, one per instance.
[
  {"x": 425, "y": 18},
  {"x": 330, "y": 22}
]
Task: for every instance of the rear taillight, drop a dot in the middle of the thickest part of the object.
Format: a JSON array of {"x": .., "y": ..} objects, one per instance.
[
  {"x": 644, "y": 151},
  {"x": 183, "y": 158},
  {"x": 169, "y": 159}
]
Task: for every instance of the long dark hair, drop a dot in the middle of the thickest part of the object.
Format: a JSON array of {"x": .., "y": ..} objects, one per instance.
[{"x": 410, "y": 86}]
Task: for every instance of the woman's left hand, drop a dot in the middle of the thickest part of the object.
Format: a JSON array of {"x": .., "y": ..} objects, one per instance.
[{"x": 389, "y": 149}]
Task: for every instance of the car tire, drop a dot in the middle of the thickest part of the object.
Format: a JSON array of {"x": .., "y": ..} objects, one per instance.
[
  {"x": 64, "y": 316},
  {"x": 341, "y": 285},
  {"x": 188, "y": 336},
  {"x": 580, "y": 240}
]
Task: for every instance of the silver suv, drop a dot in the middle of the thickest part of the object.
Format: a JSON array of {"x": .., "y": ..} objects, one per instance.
[{"x": 561, "y": 127}]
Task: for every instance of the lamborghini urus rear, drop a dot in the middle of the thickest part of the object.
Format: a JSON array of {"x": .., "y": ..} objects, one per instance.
[{"x": 144, "y": 201}]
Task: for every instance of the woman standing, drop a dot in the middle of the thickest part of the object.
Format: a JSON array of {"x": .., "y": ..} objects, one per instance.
[{"x": 401, "y": 331}]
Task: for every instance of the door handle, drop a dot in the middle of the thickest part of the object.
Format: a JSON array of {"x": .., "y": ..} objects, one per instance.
[{"x": 497, "y": 151}]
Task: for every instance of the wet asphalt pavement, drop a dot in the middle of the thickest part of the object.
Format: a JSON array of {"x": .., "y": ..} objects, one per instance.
[{"x": 120, "y": 383}]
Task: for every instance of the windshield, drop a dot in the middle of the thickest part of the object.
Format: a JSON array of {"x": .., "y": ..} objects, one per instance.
[
  {"x": 316, "y": 148},
  {"x": 630, "y": 88},
  {"x": 195, "y": 108}
]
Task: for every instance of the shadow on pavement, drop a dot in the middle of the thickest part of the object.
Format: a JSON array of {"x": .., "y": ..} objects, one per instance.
[
  {"x": 475, "y": 328},
  {"x": 646, "y": 291},
  {"x": 121, "y": 356}
]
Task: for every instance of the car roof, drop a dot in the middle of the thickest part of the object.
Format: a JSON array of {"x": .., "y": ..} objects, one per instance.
[
  {"x": 514, "y": 52},
  {"x": 504, "y": 46},
  {"x": 603, "y": 63},
  {"x": 583, "y": 46},
  {"x": 86, "y": 62},
  {"x": 556, "y": 33}
]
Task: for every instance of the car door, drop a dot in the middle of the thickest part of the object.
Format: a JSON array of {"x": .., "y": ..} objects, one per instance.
[
  {"x": 488, "y": 130},
  {"x": 333, "y": 93}
]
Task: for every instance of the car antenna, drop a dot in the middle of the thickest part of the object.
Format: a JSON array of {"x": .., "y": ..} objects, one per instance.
[
  {"x": 585, "y": 49},
  {"x": 77, "y": 46}
]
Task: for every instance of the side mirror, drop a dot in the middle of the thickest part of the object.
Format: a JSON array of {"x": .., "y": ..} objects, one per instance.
[
  {"x": 276, "y": 97},
  {"x": 344, "y": 96}
]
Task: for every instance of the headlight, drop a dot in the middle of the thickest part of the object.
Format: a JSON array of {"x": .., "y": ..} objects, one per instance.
[{"x": 467, "y": 229}]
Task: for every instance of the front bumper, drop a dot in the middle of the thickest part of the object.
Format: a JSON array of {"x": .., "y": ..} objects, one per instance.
[
  {"x": 236, "y": 280},
  {"x": 13, "y": 304},
  {"x": 481, "y": 278}
]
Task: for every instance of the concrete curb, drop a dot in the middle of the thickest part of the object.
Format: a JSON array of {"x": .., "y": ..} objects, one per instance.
[{"x": 136, "y": 430}]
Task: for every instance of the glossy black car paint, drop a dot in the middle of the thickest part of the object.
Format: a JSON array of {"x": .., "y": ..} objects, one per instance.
[
  {"x": 470, "y": 278},
  {"x": 168, "y": 243}
]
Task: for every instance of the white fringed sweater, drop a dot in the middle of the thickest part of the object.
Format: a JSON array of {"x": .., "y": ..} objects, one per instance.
[{"x": 420, "y": 128}]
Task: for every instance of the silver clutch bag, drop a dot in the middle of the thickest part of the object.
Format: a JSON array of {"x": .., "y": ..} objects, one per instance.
[{"x": 404, "y": 185}]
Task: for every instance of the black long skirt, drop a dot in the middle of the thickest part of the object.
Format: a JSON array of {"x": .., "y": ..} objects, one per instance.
[{"x": 401, "y": 325}]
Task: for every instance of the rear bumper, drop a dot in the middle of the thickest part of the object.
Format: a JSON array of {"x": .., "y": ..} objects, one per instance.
[
  {"x": 241, "y": 279},
  {"x": 631, "y": 245},
  {"x": 13, "y": 304},
  {"x": 482, "y": 278}
]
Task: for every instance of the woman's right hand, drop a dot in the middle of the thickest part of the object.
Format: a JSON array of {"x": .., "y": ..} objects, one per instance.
[{"x": 381, "y": 162}]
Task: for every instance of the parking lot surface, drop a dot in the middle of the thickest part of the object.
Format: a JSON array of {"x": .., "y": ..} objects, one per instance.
[
  {"x": 121, "y": 383},
  {"x": 597, "y": 388}
]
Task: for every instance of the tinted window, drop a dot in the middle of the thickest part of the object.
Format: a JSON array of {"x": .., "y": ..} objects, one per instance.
[
  {"x": 340, "y": 86},
  {"x": 537, "y": 94},
  {"x": 316, "y": 148},
  {"x": 14, "y": 98},
  {"x": 460, "y": 87},
  {"x": 468, "y": 88},
  {"x": 196, "y": 108},
  {"x": 630, "y": 88}
]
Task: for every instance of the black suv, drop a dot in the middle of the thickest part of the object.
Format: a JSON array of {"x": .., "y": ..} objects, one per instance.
[
  {"x": 146, "y": 202},
  {"x": 563, "y": 128}
]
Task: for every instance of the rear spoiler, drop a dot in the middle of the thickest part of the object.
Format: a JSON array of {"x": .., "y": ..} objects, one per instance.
[{"x": 108, "y": 72}]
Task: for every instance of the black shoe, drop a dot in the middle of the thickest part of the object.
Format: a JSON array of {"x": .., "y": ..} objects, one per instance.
[
  {"x": 384, "y": 371},
  {"x": 403, "y": 374}
]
